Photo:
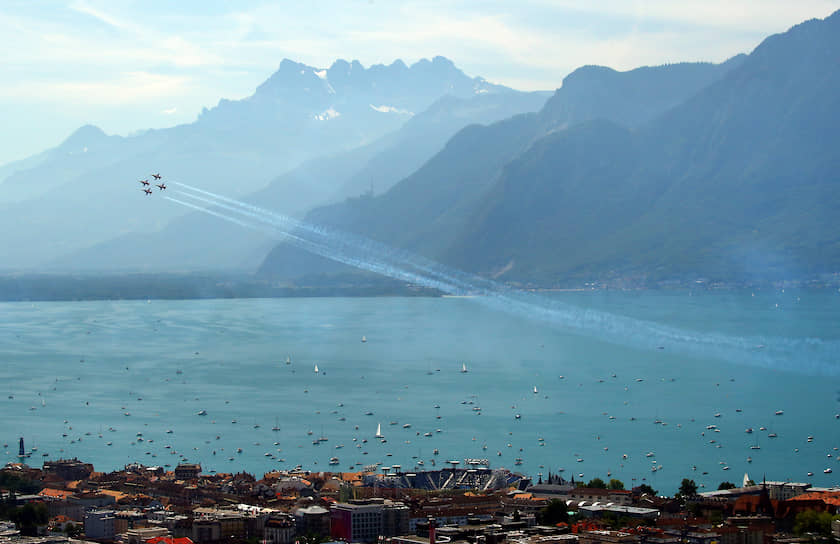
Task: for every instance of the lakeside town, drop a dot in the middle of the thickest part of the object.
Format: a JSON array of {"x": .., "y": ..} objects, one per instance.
[{"x": 68, "y": 501}]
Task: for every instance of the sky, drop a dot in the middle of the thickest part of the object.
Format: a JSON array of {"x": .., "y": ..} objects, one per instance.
[{"x": 126, "y": 65}]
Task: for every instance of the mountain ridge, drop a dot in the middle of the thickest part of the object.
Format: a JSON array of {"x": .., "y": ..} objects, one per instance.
[
  {"x": 237, "y": 147},
  {"x": 686, "y": 190}
]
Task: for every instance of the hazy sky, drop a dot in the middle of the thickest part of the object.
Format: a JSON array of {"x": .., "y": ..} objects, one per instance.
[{"x": 126, "y": 65}]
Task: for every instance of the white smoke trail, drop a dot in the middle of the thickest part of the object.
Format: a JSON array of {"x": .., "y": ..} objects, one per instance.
[
  {"x": 356, "y": 243},
  {"x": 330, "y": 252},
  {"x": 373, "y": 256}
]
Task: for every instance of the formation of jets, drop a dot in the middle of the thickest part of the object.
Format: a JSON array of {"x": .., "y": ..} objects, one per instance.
[{"x": 147, "y": 186}]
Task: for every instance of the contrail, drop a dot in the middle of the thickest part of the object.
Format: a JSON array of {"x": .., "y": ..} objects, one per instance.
[
  {"x": 366, "y": 254},
  {"x": 371, "y": 265},
  {"x": 358, "y": 243}
]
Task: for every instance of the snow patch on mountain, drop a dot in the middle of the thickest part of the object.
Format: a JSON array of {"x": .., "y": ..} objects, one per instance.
[
  {"x": 390, "y": 109},
  {"x": 327, "y": 115}
]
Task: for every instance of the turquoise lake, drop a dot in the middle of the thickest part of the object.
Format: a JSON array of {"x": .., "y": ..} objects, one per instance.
[{"x": 632, "y": 392}]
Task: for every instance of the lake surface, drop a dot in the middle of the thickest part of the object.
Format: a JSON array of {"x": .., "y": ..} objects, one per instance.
[{"x": 587, "y": 398}]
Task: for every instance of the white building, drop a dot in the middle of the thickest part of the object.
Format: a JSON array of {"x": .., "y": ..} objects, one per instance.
[{"x": 99, "y": 524}]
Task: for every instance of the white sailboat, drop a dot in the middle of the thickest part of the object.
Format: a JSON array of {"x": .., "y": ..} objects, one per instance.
[
  {"x": 464, "y": 368},
  {"x": 316, "y": 368},
  {"x": 378, "y": 431},
  {"x": 288, "y": 359},
  {"x": 535, "y": 390},
  {"x": 364, "y": 339}
]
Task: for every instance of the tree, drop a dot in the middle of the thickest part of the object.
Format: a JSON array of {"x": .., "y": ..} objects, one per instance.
[
  {"x": 28, "y": 517},
  {"x": 311, "y": 538},
  {"x": 726, "y": 485},
  {"x": 596, "y": 483},
  {"x": 645, "y": 489},
  {"x": 688, "y": 488},
  {"x": 811, "y": 521},
  {"x": 73, "y": 530},
  {"x": 615, "y": 484},
  {"x": 554, "y": 513}
]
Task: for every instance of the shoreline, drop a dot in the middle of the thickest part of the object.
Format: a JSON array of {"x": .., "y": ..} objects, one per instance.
[{"x": 203, "y": 286}]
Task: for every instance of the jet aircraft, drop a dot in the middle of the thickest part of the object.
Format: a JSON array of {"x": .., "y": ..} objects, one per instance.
[
  {"x": 144, "y": 181},
  {"x": 147, "y": 191},
  {"x": 156, "y": 176},
  {"x": 161, "y": 186}
]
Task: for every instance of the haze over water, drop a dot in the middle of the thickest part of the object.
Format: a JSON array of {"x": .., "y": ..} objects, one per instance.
[{"x": 93, "y": 362}]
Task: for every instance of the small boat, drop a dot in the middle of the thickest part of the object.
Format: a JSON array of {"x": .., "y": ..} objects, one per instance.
[
  {"x": 780, "y": 412},
  {"x": 378, "y": 431},
  {"x": 334, "y": 460},
  {"x": 827, "y": 471},
  {"x": 364, "y": 339},
  {"x": 316, "y": 368},
  {"x": 288, "y": 360},
  {"x": 407, "y": 426},
  {"x": 535, "y": 390},
  {"x": 464, "y": 368},
  {"x": 201, "y": 413}
]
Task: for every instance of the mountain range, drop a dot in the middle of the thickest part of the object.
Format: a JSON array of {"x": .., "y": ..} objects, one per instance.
[
  {"x": 668, "y": 173},
  {"x": 300, "y": 137},
  {"x": 723, "y": 171}
]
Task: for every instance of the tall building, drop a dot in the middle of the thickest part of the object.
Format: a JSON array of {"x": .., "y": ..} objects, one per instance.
[
  {"x": 312, "y": 520},
  {"x": 187, "y": 471},
  {"x": 279, "y": 529},
  {"x": 99, "y": 524},
  {"x": 366, "y": 520}
]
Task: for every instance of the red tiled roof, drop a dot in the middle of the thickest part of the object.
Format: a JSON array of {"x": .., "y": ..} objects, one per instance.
[
  {"x": 169, "y": 540},
  {"x": 828, "y": 497},
  {"x": 55, "y": 493}
]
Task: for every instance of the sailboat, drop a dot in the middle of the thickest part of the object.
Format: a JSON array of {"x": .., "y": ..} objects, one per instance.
[
  {"x": 378, "y": 431},
  {"x": 535, "y": 390},
  {"x": 276, "y": 425},
  {"x": 364, "y": 339},
  {"x": 464, "y": 368},
  {"x": 316, "y": 368},
  {"x": 288, "y": 360}
]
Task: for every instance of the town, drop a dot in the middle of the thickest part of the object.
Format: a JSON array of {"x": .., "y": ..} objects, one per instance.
[{"x": 67, "y": 501}]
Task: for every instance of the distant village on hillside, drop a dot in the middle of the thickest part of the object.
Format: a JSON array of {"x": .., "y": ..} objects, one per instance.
[{"x": 67, "y": 501}]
